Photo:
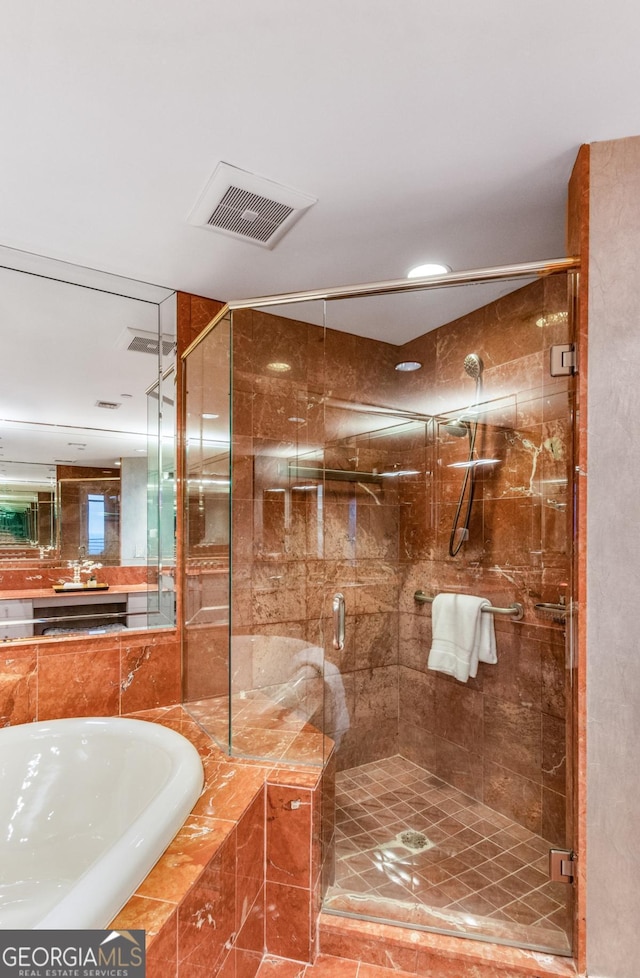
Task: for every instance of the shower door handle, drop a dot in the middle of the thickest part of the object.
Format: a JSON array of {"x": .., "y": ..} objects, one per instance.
[{"x": 338, "y": 621}]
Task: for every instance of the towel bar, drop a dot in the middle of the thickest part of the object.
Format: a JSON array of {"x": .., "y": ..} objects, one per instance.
[{"x": 515, "y": 610}]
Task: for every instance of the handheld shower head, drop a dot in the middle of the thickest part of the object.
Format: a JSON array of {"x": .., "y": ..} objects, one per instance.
[
  {"x": 459, "y": 427},
  {"x": 473, "y": 365}
]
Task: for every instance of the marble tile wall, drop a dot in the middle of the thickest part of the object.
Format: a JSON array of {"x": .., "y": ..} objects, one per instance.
[
  {"x": 44, "y": 574},
  {"x": 88, "y": 676},
  {"x": 500, "y": 737}
]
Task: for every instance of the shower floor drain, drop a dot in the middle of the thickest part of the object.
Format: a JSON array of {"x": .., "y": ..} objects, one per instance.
[
  {"x": 409, "y": 839},
  {"x": 416, "y": 841}
]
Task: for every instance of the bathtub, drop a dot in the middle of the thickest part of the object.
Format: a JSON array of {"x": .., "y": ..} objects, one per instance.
[{"x": 87, "y": 806}]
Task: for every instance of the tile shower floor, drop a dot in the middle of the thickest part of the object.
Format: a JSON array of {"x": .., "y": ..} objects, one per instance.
[{"x": 412, "y": 849}]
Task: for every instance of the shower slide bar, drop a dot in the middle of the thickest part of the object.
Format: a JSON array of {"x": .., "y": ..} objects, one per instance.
[{"x": 515, "y": 610}]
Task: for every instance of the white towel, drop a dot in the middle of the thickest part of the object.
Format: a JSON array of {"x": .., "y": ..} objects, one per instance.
[{"x": 462, "y": 635}]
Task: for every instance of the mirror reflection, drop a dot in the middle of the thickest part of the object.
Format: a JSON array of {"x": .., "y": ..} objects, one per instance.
[
  {"x": 27, "y": 509},
  {"x": 87, "y": 376}
]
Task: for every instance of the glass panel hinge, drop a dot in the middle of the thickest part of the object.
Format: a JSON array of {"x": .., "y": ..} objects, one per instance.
[
  {"x": 561, "y": 865},
  {"x": 563, "y": 360}
]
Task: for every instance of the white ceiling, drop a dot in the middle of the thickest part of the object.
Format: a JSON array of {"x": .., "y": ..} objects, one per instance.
[{"x": 426, "y": 131}]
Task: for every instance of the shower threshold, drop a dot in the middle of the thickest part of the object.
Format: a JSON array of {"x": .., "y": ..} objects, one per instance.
[{"x": 414, "y": 851}]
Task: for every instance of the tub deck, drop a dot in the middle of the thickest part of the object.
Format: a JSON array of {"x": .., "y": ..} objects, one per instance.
[{"x": 203, "y": 904}]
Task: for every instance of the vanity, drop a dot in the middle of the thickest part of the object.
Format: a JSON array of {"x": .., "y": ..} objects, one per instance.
[{"x": 33, "y": 611}]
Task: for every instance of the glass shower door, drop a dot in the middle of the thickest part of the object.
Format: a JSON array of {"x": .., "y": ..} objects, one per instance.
[
  {"x": 350, "y": 456},
  {"x": 449, "y": 793}
]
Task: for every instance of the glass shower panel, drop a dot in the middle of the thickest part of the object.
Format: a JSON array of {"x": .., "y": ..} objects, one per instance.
[
  {"x": 207, "y": 551},
  {"x": 277, "y": 680},
  {"x": 161, "y": 501},
  {"x": 450, "y": 794}
]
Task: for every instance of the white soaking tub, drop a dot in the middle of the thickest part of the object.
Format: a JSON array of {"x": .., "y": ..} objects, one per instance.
[{"x": 87, "y": 806}]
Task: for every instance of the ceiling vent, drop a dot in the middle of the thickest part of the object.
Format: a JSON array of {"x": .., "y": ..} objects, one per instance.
[
  {"x": 108, "y": 405},
  {"x": 248, "y": 207},
  {"x": 146, "y": 341}
]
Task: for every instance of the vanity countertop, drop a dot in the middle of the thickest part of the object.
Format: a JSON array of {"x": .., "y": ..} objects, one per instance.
[{"x": 26, "y": 594}]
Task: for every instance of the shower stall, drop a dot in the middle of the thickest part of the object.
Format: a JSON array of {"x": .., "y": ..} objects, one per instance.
[{"x": 336, "y": 482}]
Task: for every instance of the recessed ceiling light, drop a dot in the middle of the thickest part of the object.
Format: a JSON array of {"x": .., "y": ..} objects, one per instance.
[
  {"x": 406, "y": 366},
  {"x": 210, "y": 417},
  {"x": 428, "y": 268},
  {"x": 279, "y": 367}
]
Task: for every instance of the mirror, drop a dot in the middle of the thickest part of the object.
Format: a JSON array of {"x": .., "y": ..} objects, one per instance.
[
  {"x": 27, "y": 509},
  {"x": 86, "y": 429}
]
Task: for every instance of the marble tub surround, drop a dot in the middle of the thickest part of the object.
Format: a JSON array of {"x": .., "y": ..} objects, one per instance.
[
  {"x": 243, "y": 874},
  {"x": 261, "y": 727}
]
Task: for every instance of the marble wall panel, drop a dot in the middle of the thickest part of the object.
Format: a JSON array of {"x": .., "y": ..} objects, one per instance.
[
  {"x": 513, "y": 737},
  {"x": 289, "y": 921},
  {"x": 458, "y": 712},
  {"x": 414, "y": 640},
  {"x": 460, "y": 766},
  {"x": 288, "y": 835},
  {"x": 18, "y": 686},
  {"x": 417, "y": 698},
  {"x": 149, "y": 676},
  {"x": 250, "y": 854},
  {"x": 368, "y": 741},
  {"x": 554, "y": 753},
  {"x": 376, "y": 694},
  {"x": 554, "y": 818},
  {"x": 417, "y": 744},
  {"x": 41, "y": 575},
  {"x": 513, "y": 795},
  {"x": 206, "y": 661},
  {"x": 77, "y": 684},
  {"x": 88, "y": 675},
  {"x": 375, "y": 639}
]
